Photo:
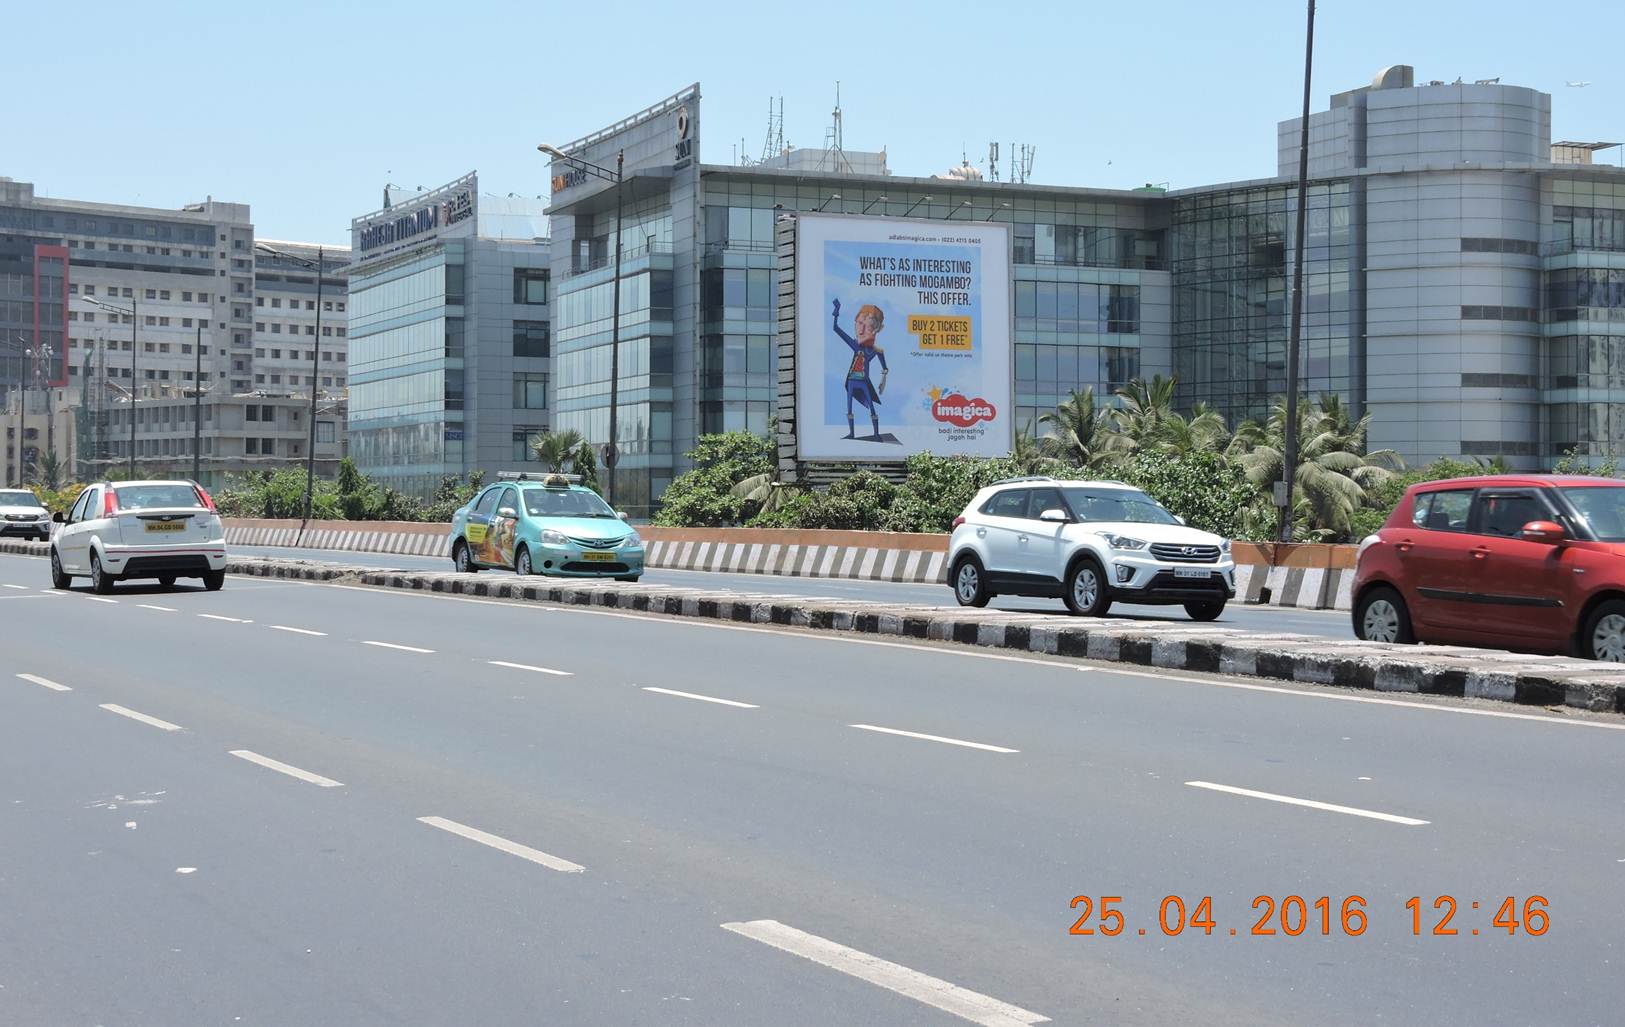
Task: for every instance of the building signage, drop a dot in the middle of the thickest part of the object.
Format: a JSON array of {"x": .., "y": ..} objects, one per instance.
[
  {"x": 424, "y": 219},
  {"x": 903, "y": 338},
  {"x": 685, "y": 141},
  {"x": 455, "y": 205},
  {"x": 569, "y": 180},
  {"x": 458, "y": 208}
]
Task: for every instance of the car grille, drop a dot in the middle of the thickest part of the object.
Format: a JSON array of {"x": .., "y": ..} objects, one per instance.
[
  {"x": 594, "y": 543},
  {"x": 24, "y": 517},
  {"x": 583, "y": 567},
  {"x": 1171, "y": 553}
]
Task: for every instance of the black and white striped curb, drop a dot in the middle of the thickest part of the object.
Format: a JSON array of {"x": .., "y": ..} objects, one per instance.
[{"x": 1431, "y": 670}]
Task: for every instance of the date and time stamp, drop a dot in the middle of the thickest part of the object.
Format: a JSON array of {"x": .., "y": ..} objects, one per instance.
[{"x": 1293, "y": 916}]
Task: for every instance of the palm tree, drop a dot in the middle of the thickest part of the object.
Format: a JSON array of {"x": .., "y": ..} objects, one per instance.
[
  {"x": 555, "y": 449},
  {"x": 1145, "y": 410},
  {"x": 1085, "y": 435},
  {"x": 766, "y": 491},
  {"x": 1333, "y": 471},
  {"x": 48, "y": 471},
  {"x": 1028, "y": 454},
  {"x": 1203, "y": 431}
]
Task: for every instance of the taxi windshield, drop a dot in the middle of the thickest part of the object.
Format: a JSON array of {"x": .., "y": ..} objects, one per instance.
[{"x": 545, "y": 502}]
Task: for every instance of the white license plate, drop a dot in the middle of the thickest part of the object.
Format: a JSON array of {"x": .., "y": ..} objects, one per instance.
[
  {"x": 598, "y": 557},
  {"x": 1191, "y": 572},
  {"x": 153, "y": 526}
]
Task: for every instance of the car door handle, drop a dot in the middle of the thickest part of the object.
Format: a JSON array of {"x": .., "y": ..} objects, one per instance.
[
  {"x": 1403, "y": 547},
  {"x": 1021, "y": 538},
  {"x": 981, "y": 533},
  {"x": 1481, "y": 553}
]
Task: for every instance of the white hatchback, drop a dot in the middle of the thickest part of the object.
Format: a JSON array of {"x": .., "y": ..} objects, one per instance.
[
  {"x": 1090, "y": 543},
  {"x": 140, "y": 529}
]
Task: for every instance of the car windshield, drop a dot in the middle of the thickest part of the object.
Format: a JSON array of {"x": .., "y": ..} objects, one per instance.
[
  {"x": 545, "y": 502},
  {"x": 1116, "y": 505},
  {"x": 10, "y": 498},
  {"x": 1602, "y": 507},
  {"x": 155, "y": 497}
]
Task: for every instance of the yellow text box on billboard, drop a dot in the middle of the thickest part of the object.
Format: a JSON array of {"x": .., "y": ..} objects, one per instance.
[{"x": 940, "y": 333}]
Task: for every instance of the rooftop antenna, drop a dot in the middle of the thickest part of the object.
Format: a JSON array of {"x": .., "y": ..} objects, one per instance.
[
  {"x": 773, "y": 144},
  {"x": 832, "y": 140},
  {"x": 992, "y": 162}
]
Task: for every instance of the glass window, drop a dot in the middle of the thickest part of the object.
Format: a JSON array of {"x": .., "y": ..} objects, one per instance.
[
  {"x": 1444, "y": 511},
  {"x": 530, "y": 285},
  {"x": 1009, "y": 503},
  {"x": 487, "y": 503},
  {"x": 1123, "y": 506},
  {"x": 530, "y": 391},
  {"x": 1505, "y": 513},
  {"x": 530, "y": 338},
  {"x": 546, "y": 502},
  {"x": 1044, "y": 499},
  {"x": 1602, "y": 508},
  {"x": 153, "y": 497}
]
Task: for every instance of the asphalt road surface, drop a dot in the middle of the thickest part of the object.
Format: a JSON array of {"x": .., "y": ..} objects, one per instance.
[
  {"x": 1326, "y": 623},
  {"x": 300, "y": 803}
]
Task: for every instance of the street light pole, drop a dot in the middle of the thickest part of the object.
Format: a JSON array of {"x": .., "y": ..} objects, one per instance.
[
  {"x": 612, "y": 455},
  {"x": 134, "y": 311},
  {"x": 315, "y": 362},
  {"x": 1295, "y": 331},
  {"x": 197, "y": 407}
]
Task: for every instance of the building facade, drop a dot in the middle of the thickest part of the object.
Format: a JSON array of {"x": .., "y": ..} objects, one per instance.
[
  {"x": 450, "y": 335},
  {"x": 109, "y": 302},
  {"x": 1464, "y": 278}
]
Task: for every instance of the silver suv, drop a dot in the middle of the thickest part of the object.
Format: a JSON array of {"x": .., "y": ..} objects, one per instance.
[{"x": 1091, "y": 543}]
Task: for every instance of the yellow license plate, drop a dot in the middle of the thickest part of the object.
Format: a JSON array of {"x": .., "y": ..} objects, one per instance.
[
  {"x": 166, "y": 526},
  {"x": 598, "y": 557}
]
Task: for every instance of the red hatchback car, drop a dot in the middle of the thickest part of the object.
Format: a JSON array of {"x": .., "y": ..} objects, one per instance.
[{"x": 1527, "y": 562}]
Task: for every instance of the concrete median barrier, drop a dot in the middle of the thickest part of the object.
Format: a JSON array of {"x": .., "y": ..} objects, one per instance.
[{"x": 1515, "y": 678}]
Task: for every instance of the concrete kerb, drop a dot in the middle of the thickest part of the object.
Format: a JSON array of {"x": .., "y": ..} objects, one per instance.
[{"x": 1431, "y": 670}]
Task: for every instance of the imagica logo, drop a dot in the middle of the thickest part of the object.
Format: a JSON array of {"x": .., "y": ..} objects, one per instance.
[{"x": 955, "y": 409}]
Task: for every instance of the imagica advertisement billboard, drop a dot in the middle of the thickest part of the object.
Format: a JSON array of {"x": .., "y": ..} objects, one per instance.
[{"x": 902, "y": 338}]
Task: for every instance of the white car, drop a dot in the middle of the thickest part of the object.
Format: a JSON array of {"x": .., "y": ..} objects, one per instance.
[
  {"x": 1092, "y": 543},
  {"x": 22, "y": 514},
  {"x": 140, "y": 529}
]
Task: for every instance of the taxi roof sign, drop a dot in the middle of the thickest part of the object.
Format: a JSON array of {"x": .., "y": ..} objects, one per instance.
[{"x": 550, "y": 479}]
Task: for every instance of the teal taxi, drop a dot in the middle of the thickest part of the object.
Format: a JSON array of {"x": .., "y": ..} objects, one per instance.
[{"x": 545, "y": 524}]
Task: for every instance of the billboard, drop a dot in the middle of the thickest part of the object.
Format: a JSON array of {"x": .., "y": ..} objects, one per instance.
[{"x": 903, "y": 338}]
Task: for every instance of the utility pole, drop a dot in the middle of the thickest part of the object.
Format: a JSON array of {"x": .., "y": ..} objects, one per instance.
[
  {"x": 1295, "y": 331},
  {"x": 197, "y": 407}
]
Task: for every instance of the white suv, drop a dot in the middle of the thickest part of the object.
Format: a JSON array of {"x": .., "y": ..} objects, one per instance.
[
  {"x": 21, "y": 513},
  {"x": 140, "y": 529},
  {"x": 1092, "y": 543}
]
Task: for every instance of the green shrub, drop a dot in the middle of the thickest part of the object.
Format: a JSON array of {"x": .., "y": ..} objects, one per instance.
[{"x": 703, "y": 497}]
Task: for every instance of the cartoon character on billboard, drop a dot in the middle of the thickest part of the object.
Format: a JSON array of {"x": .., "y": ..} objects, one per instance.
[{"x": 858, "y": 385}]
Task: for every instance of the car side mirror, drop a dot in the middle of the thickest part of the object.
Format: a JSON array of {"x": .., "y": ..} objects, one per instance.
[
  {"x": 1178, "y": 518},
  {"x": 507, "y": 511},
  {"x": 1549, "y": 532},
  {"x": 1053, "y": 515},
  {"x": 58, "y": 518},
  {"x": 621, "y": 514}
]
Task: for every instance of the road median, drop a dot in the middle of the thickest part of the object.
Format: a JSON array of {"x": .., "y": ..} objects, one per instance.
[{"x": 1514, "y": 678}]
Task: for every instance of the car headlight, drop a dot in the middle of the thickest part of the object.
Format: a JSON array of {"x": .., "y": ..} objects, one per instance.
[
  {"x": 1121, "y": 541},
  {"x": 1224, "y": 546},
  {"x": 632, "y": 541},
  {"x": 554, "y": 538}
]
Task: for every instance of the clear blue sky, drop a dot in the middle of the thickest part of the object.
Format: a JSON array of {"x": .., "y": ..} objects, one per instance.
[{"x": 305, "y": 110}]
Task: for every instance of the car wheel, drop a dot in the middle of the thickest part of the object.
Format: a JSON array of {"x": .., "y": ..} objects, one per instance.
[
  {"x": 100, "y": 582},
  {"x": 1085, "y": 590},
  {"x": 1381, "y": 616},
  {"x": 166, "y": 581},
  {"x": 521, "y": 563},
  {"x": 1604, "y": 635},
  {"x": 1204, "y": 611},
  {"x": 463, "y": 559},
  {"x": 214, "y": 580},
  {"x": 58, "y": 578},
  {"x": 970, "y": 582}
]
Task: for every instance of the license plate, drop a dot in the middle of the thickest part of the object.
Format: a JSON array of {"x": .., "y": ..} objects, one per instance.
[
  {"x": 598, "y": 557},
  {"x": 153, "y": 526},
  {"x": 1191, "y": 572}
]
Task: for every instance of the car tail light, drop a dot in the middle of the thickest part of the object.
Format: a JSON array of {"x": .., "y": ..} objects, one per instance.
[
  {"x": 109, "y": 503},
  {"x": 203, "y": 497},
  {"x": 958, "y": 521}
]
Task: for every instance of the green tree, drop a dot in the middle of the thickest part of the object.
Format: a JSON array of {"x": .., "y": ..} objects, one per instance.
[
  {"x": 1084, "y": 432},
  {"x": 48, "y": 471},
  {"x": 1208, "y": 491},
  {"x": 584, "y": 461},
  {"x": 1144, "y": 410},
  {"x": 556, "y": 449},
  {"x": 704, "y": 495}
]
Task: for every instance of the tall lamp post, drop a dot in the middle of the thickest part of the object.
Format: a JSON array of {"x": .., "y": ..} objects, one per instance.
[
  {"x": 315, "y": 359},
  {"x": 135, "y": 384},
  {"x": 612, "y": 455},
  {"x": 1289, "y": 469},
  {"x": 197, "y": 407},
  {"x": 41, "y": 356}
]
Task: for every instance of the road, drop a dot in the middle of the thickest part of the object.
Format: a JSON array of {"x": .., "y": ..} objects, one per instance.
[
  {"x": 1325, "y": 623},
  {"x": 294, "y": 803}
]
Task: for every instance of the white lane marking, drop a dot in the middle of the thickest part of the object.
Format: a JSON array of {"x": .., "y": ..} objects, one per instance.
[
  {"x": 702, "y": 698},
  {"x": 96, "y": 599},
  {"x": 474, "y": 834},
  {"x": 23, "y": 587},
  {"x": 229, "y": 620},
  {"x": 1310, "y": 803},
  {"x": 1058, "y": 663},
  {"x": 47, "y": 682},
  {"x": 162, "y": 725},
  {"x": 33, "y": 595},
  {"x": 932, "y": 991},
  {"x": 283, "y": 768},
  {"x": 526, "y": 666},
  {"x": 392, "y": 645},
  {"x": 161, "y": 609},
  {"x": 932, "y": 738},
  {"x": 1437, "y": 708},
  {"x": 298, "y": 631}
]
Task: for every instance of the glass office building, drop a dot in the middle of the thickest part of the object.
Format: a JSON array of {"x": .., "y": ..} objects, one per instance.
[{"x": 449, "y": 336}]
